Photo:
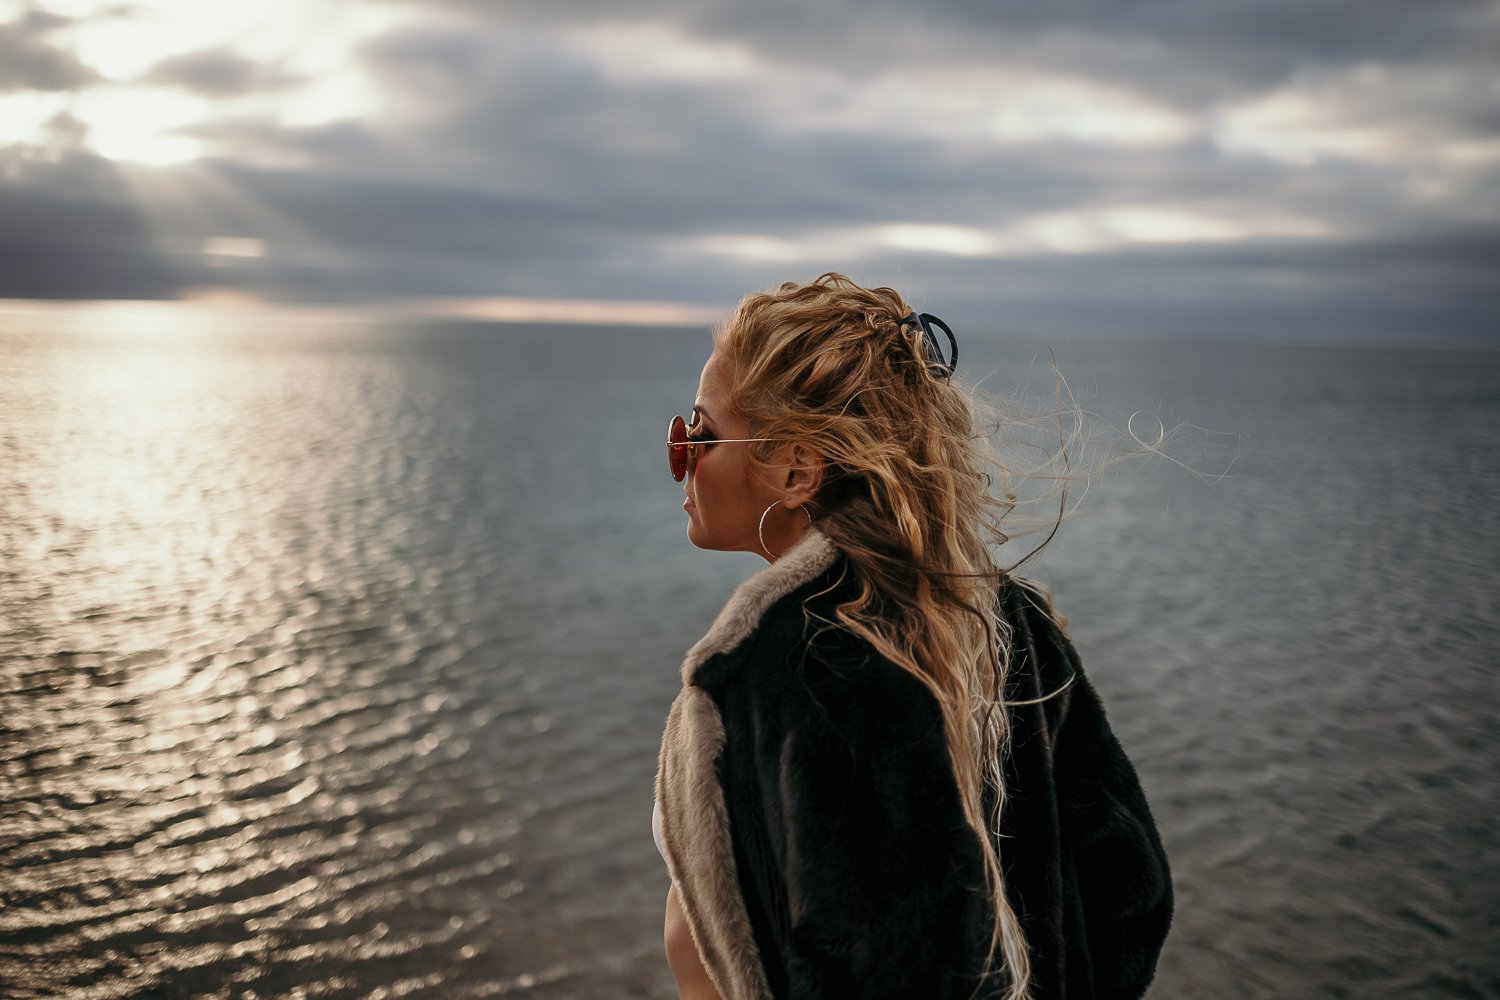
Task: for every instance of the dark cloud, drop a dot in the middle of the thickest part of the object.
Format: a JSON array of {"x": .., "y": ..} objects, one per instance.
[
  {"x": 40, "y": 22},
  {"x": 217, "y": 73},
  {"x": 29, "y": 63},
  {"x": 69, "y": 229},
  {"x": 344, "y": 248},
  {"x": 1190, "y": 51}
]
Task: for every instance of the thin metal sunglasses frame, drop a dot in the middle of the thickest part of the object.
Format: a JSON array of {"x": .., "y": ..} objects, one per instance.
[{"x": 677, "y": 429}]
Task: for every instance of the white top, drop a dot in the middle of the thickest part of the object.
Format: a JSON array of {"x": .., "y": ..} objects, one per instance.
[{"x": 656, "y": 828}]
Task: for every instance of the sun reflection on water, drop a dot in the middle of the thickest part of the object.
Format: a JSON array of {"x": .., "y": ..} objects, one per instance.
[
  {"x": 263, "y": 719},
  {"x": 160, "y": 618}
]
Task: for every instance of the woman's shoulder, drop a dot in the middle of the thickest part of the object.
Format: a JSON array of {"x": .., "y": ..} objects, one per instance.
[
  {"x": 1041, "y": 651},
  {"x": 796, "y": 662},
  {"x": 805, "y": 666}
]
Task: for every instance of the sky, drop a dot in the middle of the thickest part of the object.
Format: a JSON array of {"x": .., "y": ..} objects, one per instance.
[{"x": 1291, "y": 169}]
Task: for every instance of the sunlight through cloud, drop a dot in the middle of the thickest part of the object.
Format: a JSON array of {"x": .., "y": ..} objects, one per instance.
[
  {"x": 1080, "y": 232},
  {"x": 516, "y": 309},
  {"x": 1108, "y": 228},
  {"x": 298, "y": 61},
  {"x": 26, "y": 115},
  {"x": 672, "y": 54},
  {"x": 1007, "y": 108},
  {"x": 750, "y": 246},
  {"x": 234, "y": 246},
  {"x": 961, "y": 241},
  {"x": 141, "y": 124},
  {"x": 1373, "y": 114}
]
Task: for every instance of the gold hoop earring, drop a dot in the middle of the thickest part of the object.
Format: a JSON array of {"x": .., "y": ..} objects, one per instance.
[{"x": 761, "y": 529}]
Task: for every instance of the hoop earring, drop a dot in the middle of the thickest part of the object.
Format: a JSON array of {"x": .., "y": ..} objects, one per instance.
[{"x": 761, "y": 529}]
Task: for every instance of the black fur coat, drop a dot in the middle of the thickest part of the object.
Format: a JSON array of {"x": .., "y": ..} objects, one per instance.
[{"x": 810, "y": 818}]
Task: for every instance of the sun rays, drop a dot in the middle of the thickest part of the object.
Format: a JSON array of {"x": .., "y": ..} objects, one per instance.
[{"x": 173, "y": 81}]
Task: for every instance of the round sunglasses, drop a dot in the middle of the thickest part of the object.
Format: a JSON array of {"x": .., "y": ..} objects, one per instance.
[{"x": 682, "y": 451}]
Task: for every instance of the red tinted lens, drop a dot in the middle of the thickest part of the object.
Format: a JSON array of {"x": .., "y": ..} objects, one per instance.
[{"x": 677, "y": 448}]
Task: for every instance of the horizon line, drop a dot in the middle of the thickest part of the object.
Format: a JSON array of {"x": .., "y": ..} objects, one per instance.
[{"x": 494, "y": 309}]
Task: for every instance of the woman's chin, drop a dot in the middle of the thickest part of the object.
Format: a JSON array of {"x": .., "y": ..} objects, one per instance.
[{"x": 703, "y": 539}]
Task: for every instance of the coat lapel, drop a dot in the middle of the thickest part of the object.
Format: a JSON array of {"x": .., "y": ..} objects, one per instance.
[{"x": 694, "y": 816}]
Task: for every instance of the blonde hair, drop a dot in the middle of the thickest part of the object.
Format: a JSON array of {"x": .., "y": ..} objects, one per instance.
[{"x": 905, "y": 498}]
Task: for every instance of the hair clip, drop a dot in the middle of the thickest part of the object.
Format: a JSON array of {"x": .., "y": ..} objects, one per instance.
[{"x": 935, "y": 358}]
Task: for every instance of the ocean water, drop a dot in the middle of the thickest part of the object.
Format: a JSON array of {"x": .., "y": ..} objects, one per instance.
[{"x": 333, "y": 659}]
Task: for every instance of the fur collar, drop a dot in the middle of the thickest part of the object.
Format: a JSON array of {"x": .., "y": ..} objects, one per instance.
[{"x": 804, "y": 561}]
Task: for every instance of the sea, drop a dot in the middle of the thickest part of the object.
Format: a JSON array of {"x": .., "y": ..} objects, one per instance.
[{"x": 334, "y": 655}]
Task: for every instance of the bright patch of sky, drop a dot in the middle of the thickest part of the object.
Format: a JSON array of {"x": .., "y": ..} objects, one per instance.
[{"x": 297, "y": 63}]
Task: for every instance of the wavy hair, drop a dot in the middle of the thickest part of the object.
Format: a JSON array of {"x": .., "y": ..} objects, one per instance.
[{"x": 906, "y": 498}]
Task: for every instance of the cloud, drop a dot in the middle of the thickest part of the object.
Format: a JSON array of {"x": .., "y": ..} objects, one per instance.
[
  {"x": 68, "y": 229},
  {"x": 29, "y": 63},
  {"x": 1197, "y": 53},
  {"x": 40, "y": 22},
  {"x": 216, "y": 73},
  {"x": 1154, "y": 165}
]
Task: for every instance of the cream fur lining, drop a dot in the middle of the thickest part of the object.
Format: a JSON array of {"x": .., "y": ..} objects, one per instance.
[
  {"x": 694, "y": 817},
  {"x": 700, "y": 854}
]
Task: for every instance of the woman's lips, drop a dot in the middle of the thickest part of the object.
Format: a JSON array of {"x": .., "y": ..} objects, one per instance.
[{"x": 687, "y": 503}]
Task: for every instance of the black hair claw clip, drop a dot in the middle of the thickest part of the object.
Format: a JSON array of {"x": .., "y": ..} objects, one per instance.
[{"x": 940, "y": 366}]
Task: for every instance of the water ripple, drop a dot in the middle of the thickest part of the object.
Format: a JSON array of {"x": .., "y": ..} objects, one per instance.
[{"x": 325, "y": 675}]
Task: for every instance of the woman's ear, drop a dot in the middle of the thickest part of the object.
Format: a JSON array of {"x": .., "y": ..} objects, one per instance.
[{"x": 804, "y": 476}]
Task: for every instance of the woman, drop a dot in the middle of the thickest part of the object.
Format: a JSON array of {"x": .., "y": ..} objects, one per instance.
[{"x": 885, "y": 774}]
